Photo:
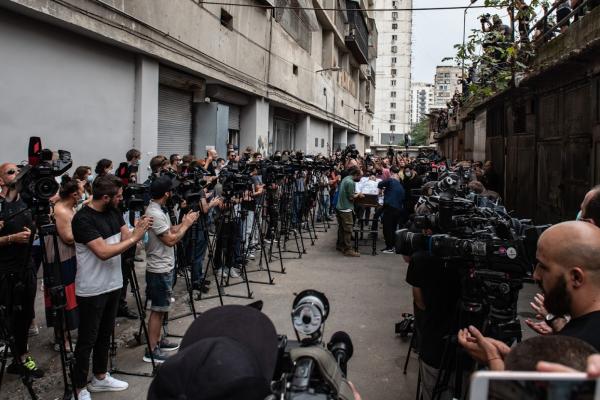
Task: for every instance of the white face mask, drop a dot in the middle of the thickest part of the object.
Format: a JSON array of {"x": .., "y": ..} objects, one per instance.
[
  {"x": 90, "y": 178},
  {"x": 111, "y": 171}
]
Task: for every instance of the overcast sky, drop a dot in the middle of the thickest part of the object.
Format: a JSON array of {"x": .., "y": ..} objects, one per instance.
[{"x": 435, "y": 32}]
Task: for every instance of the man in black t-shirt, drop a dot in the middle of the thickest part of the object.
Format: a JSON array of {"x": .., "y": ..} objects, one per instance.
[
  {"x": 568, "y": 272},
  {"x": 436, "y": 292},
  {"x": 17, "y": 275},
  {"x": 101, "y": 236}
]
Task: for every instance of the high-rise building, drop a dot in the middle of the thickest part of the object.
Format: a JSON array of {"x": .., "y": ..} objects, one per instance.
[
  {"x": 392, "y": 91},
  {"x": 446, "y": 83},
  {"x": 421, "y": 101}
]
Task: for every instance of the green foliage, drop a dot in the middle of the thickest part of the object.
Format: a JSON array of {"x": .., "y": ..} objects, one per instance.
[
  {"x": 420, "y": 133},
  {"x": 493, "y": 57}
]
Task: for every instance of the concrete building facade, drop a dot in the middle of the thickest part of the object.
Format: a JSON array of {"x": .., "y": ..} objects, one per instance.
[
  {"x": 100, "y": 77},
  {"x": 446, "y": 84},
  {"x": 422, "y": 100},
  {"x": 392, "y": 99}
]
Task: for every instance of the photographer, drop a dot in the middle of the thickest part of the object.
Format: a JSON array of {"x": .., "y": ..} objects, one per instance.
[
  {"x": 17, "y": 273},
  {"x": 175, "y": 161},
  {"x": 229, "y": 352},
  {"x": 436, "y": 292},
  {"x": 101, "y": 236},
  {"x": 393, "y": 208},
  {"x": 160, "y": 255},
  {"x": 344, "y": 210},
  {"x": 569, "y": 275}
]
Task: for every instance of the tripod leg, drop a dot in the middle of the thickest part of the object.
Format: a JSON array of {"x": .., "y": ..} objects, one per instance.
[{"x": 410, "y": 346}]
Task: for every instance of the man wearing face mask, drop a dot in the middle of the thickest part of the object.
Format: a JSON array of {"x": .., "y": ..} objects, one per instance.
[
  {"x": 161, "y": 260},
  {"x": 101, "y": 236},
  {"x": 410, "y": 182}
]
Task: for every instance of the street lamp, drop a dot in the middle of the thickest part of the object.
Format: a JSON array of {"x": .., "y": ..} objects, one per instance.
[{"x": 464, "y": 36}]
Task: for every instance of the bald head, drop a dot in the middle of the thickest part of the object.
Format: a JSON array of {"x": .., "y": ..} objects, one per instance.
[{"x": 571, "y": 244}]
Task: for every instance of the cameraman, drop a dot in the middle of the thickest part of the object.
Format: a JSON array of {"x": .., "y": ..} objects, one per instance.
[
  {"x": 436, "y": 292},
  {"x": 17, "y": 273},
  {"x": 101, "y": 236},
  {"x": 160, "y": 256}
]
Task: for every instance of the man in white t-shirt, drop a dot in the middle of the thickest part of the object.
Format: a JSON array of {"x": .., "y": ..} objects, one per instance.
[{"x": 160, "y": 257}]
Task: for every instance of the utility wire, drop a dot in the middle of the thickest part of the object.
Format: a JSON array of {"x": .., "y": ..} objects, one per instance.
[{"x": 342, "y": 9}]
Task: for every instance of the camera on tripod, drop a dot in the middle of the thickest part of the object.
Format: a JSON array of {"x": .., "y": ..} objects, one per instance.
[
  {"x": 306, "y": 368},
  {"x": 36, "y": 182},
  {"x": 134, "y": 197}
]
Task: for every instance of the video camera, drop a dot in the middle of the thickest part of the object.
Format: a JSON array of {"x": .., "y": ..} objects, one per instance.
[
  {"x": 36, "y": 182},
  {"x": 350, "y": 152},
  {"x": 306, "y": 368}
]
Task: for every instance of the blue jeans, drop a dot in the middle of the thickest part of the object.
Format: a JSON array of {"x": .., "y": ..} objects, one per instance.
[
  {"x": 298, "y": 207},
  {"x": 199, "y": 245},
  {"x": 159, "y": 289}
]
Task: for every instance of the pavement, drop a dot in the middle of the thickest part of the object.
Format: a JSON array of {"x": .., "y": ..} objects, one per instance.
[{"x": 367, "y": 296}]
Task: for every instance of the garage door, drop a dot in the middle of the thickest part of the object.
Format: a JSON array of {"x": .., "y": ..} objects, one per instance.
[{"x": 174, "y": 121}]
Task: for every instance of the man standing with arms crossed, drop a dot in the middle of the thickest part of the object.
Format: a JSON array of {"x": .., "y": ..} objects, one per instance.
[{"x": 101, "y": 236}]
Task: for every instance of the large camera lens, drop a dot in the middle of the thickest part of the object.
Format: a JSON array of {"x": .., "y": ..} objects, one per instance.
[
  {"x": 408, "y": 242},
  {"x": 45, "y": 187}
]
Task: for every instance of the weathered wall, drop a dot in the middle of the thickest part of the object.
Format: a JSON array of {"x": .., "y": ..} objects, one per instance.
[{"x": 71, "y": 91}]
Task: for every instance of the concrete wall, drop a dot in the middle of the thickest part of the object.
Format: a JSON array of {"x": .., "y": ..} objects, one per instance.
[
  {"x": 76, "y": 94},
  {"x": 319, "y": 130},
  {"x": 254, "y": 125}
]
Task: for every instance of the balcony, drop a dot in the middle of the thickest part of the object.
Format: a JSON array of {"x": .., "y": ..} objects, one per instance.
[{"x": 357, "y": 40}]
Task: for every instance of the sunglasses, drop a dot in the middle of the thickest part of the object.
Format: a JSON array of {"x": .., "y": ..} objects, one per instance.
[{"x": 11, "y": 172}]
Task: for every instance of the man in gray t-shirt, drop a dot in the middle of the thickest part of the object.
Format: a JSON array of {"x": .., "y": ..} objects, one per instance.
[{"x": 160, "y": 256}]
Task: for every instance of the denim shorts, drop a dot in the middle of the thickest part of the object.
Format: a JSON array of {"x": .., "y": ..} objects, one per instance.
[{"x": 159, "y": 288}]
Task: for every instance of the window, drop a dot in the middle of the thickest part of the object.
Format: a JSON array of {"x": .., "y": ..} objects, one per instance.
[
  {"x": 394, "y": 71},
  {"x": 322, "y": 142},
  {"x": 392, "y": 128},
  {"x": 226, "y": 19},
  {"x": 316, "y": 142},
  {"x": 395, "y": 4},
  {"x": 394, "y": 60},
  {"x": 394, "y": 15},
  {"x": 392, "y": 94},
  {"x": 394, "y": 49},
  {"x": 392, "y": 117},
  {"x": 394, "y": 37},
  {"x": 295, "y": 69},
  {"x": 392, "y": 105},
  {"x": 393, "y": 82},
  {"x": 394, "y": 26}
]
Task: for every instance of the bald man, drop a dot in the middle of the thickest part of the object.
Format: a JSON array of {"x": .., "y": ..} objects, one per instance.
[
  {"x": 16, "y": 270},
  {"x": 568, "y": 272},
  {"x": 590, "y": 207}
]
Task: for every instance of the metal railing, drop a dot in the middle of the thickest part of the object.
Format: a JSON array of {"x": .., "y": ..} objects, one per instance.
[{"x": 543, "y": 23}]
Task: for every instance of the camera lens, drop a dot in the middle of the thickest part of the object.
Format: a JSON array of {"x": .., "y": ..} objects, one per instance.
[{"x": 45, "y": 188}]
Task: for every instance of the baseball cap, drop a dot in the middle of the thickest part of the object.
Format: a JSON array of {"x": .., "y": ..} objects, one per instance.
[
  {"x": 162, "y": 185},
  {"x": 228, "y": 353}
]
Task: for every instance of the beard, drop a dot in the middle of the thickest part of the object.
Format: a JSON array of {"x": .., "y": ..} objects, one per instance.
[{"x": 557, "y": 299}]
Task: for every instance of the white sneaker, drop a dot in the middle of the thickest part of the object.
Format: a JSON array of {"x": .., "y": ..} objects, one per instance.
[
  {"x": 83, "y": 395},
  {"x": 234, "y": 272},
  {"x": 222, "y": 273},
  {"x": 108, "y": 384}
]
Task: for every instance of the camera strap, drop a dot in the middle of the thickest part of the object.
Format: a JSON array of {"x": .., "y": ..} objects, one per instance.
[{"x": 328, "y": 367}]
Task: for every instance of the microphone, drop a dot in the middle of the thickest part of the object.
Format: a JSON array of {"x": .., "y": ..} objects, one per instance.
[{"x": 341, "y": 347}]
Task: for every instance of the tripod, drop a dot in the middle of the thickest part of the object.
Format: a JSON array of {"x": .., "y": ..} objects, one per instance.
[
  {"x": 143, "y": 329},
  {"x": 7, "y": 339}
]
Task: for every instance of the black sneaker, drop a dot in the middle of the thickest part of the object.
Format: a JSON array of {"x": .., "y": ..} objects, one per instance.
[
  {"x": 204, "y": 288},
  {"x": 158, "y": 356},
  {"x": 28, "y": 367},
  {"x": 125, "y": 312},
  {"x": 165, "y": 345}
]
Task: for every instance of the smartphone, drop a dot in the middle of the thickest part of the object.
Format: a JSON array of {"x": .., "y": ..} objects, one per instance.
[{"x": 533, "y": 386}]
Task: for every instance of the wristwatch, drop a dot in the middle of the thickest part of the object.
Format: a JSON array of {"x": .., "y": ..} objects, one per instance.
[{"x": 550, "y": 318}]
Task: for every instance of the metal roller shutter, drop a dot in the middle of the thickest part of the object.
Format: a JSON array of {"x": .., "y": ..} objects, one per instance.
[
  {"x": 234, "y": 117},
  {"x": 174, "y": 121}
]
